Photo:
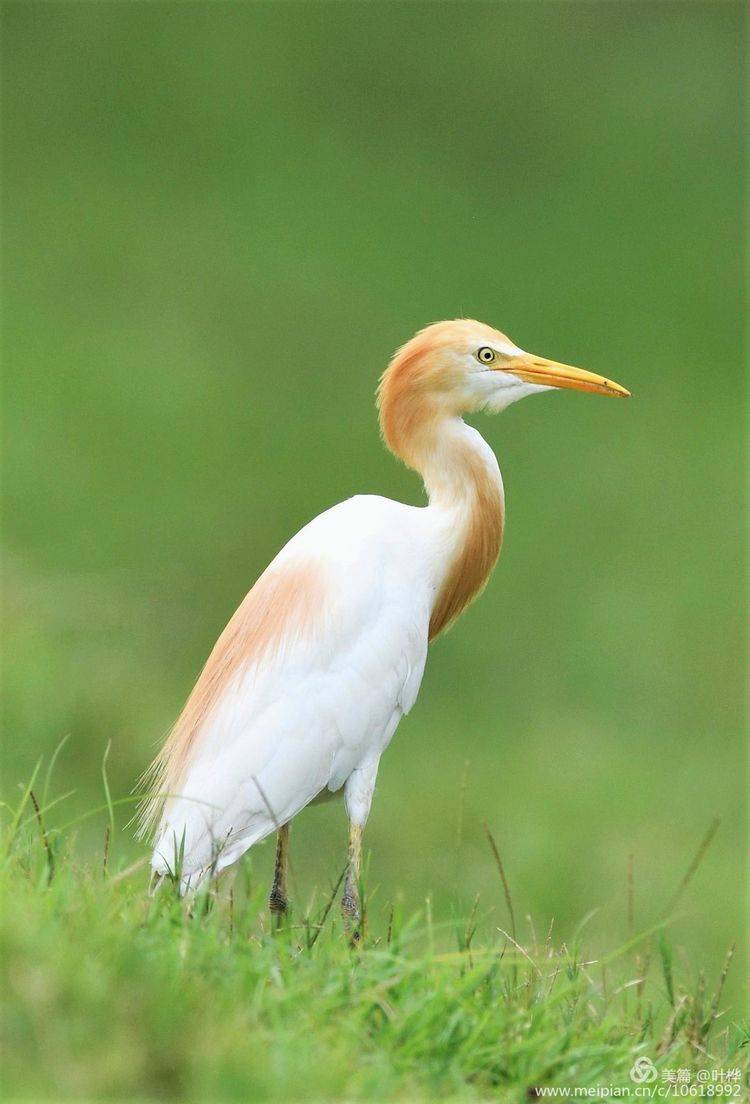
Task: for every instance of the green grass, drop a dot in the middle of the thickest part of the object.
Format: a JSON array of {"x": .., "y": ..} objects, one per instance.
[{"x": 118, "y": 995}]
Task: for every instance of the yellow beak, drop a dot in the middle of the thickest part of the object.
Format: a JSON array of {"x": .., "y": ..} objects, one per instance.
[{"x": 549, "y": 373}]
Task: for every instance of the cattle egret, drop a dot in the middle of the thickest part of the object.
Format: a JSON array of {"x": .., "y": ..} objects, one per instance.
[{"x": 305, "y": 687}]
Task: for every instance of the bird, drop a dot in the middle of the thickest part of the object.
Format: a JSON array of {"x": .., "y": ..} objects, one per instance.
[{"x": 305, "y": 687}]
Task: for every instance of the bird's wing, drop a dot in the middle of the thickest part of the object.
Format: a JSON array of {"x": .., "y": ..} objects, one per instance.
[{"x": 306, "y": 683}]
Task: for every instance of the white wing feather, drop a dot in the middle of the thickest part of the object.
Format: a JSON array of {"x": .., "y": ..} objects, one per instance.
[{"x": 299, "y": 721}]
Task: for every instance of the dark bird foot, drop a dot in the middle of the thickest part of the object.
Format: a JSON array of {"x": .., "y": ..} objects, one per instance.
[{"x": 278, "y": 906}]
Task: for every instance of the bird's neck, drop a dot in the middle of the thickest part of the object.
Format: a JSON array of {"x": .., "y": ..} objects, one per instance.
[{"x": 465, "y": 491}]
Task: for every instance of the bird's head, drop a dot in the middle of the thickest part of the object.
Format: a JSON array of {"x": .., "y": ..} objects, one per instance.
[{"x": 454, "y": 368}]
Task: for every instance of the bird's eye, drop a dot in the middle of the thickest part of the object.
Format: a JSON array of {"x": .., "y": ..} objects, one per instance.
[{"x": 486, "y": 355}]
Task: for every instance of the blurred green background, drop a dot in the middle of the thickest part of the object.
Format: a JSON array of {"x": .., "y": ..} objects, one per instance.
[{"x": 219, "y": 221}]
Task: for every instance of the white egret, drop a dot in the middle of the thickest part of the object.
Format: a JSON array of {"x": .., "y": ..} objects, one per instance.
[{"x": 305, "y": 687}]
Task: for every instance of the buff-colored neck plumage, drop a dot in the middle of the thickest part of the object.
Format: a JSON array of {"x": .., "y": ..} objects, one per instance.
[{"x": 420, "y": 418}]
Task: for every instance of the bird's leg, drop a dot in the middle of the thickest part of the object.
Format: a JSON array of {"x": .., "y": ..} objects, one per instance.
[
  {"x": 277, "y": 902},
  {"x": 350, "y": 903},
  {"x": 358, "y": 792}
]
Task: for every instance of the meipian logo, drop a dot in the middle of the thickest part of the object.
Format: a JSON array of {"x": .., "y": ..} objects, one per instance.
[{"x": 643, "y": 1071}]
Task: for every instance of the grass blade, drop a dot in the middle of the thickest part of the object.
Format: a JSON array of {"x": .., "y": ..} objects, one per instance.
[
  {"x": 503, "y": 879},
  {"x": 45, "y": 838},
  {"x": 13, "y": 827}
]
